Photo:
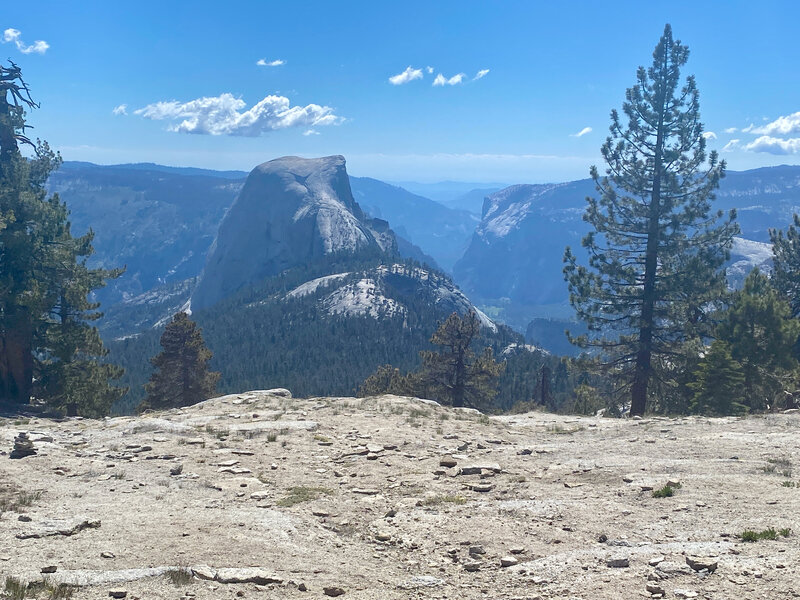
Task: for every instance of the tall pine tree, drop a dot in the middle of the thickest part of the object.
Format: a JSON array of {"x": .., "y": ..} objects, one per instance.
[
  {"x": 181, "y": 377},
  {"x": 786, "y": 262},
  {"x": 656, "y": 250},
  {"x": 761, "y": 333},
  {"x": 455, "y": 374},
  {"x": 45, "y": 331}
]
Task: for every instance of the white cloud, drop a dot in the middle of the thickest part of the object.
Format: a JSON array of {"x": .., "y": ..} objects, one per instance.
[
  {"x": 311, "y": 132},
  {"x": 710, "y": 135},
  {"x": 582, "y": 132},
  {"x": 454, "y": 80},
  {"x": 262, "y": 62},
  {"x": 480, "y": 74},
  {"x": 226, "y": 115},
  {"x": 15, "y": 36},
  {"x": 731, "y": 130},
  {"x": 410, "y": 74},
  {"x": 773, "y": 145},
  {"x": 429, "y": 70},
  {"x": 731, "y": 146},
  {"x": 122, "y": 109},
  {"x": 788, "y": 125}
]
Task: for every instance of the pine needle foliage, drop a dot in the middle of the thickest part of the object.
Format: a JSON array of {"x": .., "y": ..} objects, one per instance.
[
  {"x": 718, "y": 383},
  {"x": 455, "y": 374},
  {"x": 761, "y": 334},
  {"x": 786, "y": 263},
  {"x": 48, "y": 345},
  {"x": 182, "y": 376},
  {"x": 656, "y": 249}
]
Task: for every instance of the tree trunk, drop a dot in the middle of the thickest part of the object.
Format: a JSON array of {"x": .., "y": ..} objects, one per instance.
[
  {"x": 16, "y": 366},
  {"x": 641, "y": 374}
]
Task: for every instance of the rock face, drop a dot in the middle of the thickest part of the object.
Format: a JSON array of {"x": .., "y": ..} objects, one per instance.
[
  {"x": 387, "y": 291},
  {"x": 291, "y": 211},
  {"x": 515, "y": 256}
]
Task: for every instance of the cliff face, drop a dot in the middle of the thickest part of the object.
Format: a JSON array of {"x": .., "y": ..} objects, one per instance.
[{"x": 291, "y": 211}]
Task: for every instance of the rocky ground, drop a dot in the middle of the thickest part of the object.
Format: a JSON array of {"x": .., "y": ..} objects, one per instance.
[{"x": 259, "y": 495}]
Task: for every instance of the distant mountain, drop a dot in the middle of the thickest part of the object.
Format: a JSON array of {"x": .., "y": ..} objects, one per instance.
[
  {"x": 442, "y": 232},
  {"x": 513, "y": 264},
  {"x": 291, "y": 212},
  {"x": 69, "y": 165},
  {"x": 447, "y": 192},
  {"x": 471, "y": 201},
  {"x": 159, "y": 222},
  {"x": 302, "y": 289}
]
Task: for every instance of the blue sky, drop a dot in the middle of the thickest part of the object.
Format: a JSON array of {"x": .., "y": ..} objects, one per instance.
[{"x": 553, "y": 69}]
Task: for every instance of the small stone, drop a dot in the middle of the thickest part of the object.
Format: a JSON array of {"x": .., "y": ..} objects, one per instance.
[
  {"x": 525, "y": 452},
  {"x": 685, "y": 594},
  {"x": 333, "y": 591},
  {"x": 654, "y": 588},
  {"x": 471, "y": 566},
  {"x": 476, "y": 550},
  {"x": 517, "y": 550},
  {"x": 701, "y": 563},
  {"x": 448, "y": 462},
  {"x": 655, "y": 561},
  {"x": 508, "y": 561},
  {"x": 383, "y": 536},
  {"x": 618, "y": 562},
  {"x": 49, "y": 569},
  {"x": 302, "y": 587},
  {"x": 107, "y": 555},
  {"x": 372, "y": 456},
  {"x": 482, "y": 488},
  {"x": 24, "y": 518},
  {"x": 176, "y": 470},
  {"x": 118, "y": 593}
]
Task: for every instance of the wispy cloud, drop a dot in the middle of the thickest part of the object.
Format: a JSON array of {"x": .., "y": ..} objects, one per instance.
[
  {"x": 788, "y": 125},
  {"x": 480, "y": 74},
  {"x": 227, "y": 115},
  {"x": 582, "y": 132},
  {"x": 429, "y": 70},
  {"x": 731, "y": 130},
  {"x": 15, "y": 36},
  {"x": 310, "y": 132},
  {"x": 710, "y": 135},
  {"x": 262, "y": 62},
  {"x": 122, "y": 109},
  {"x": 410, "y": 74},
  {"x": 454, "y": 80},
  {"x": 774, "y": 145},
  {"x": 731, "y": 146}
]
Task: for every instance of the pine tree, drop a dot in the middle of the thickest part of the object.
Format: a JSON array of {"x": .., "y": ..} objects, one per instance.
[
  {"x": 386, "y": 380},
  {"x": 655, "y": 252},
  {"x": 72, "y": 374},
  {"x": 44, "y": 282},
  {"x": 456, "y": 375},
  {"x": 786, "y": 262},
  {"x": 718, "y": 383},
  {"x": 181, "y": 377},
  {"x": 761, "y": 333}
]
